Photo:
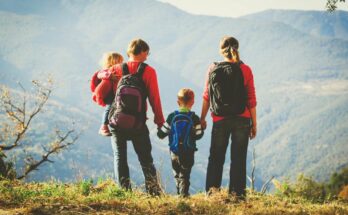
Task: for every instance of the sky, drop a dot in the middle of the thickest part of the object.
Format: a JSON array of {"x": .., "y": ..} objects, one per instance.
[{"x": 236, "y": 8}]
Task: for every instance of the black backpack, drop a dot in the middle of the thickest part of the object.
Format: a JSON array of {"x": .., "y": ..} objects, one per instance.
[
  {"x": 128, "y": 111},
  {"x": 227, "y": 93}
]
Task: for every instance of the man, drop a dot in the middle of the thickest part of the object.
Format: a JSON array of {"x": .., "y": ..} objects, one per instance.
[{"x": 138, "y": 51}]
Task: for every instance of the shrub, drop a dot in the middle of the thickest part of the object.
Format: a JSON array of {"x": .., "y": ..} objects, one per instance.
[
  {"x": 338, "y": 181},
  {"x": 304, "y": 187},
  {"x": 344, "y": 193},
  {"x": 85, "y": 187},
  {"x": 116, "y": 192},
  {"x": 183, "y": 207},
  {"x": 310, "y": 189}
]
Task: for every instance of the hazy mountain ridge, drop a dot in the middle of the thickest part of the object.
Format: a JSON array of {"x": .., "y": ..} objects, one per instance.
[
  {"x": 316, "y": 23},
  {"x": 67, "y": 39}
]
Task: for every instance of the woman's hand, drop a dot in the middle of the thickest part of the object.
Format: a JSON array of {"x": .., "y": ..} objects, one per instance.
[
  {"x": 253, "y": 132},
  {"x": 253, "y": 129},
  {"x": 205, "y": 108},
  {"x": 203, "y": 124}
]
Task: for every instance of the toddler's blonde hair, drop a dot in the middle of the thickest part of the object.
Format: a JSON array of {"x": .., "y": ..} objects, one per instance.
[
  {"x": 109, "y": 59},
  {"x": 185, "y": 95}
]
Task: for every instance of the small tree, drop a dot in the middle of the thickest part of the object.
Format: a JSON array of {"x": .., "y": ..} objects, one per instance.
[
  {"x": 331, "y": 5},
  {"x": 17, "y": 111},
  {"x": 252, "y": 178}
]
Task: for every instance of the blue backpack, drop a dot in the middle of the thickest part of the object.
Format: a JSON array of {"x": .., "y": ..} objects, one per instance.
[{"x": 180, "y": 132}]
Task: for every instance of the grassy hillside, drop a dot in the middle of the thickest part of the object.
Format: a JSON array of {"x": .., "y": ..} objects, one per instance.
[
  {"x": 299, "y": 61},
  {"x": 106, "y": 198},
  {"x": 305, "y": 196}
]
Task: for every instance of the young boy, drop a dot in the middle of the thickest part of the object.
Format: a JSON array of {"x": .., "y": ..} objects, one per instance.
[{"x": 184, "y": 128}]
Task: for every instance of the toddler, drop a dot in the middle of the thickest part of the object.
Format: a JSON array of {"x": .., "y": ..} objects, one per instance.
[{"x": 103, "y": 89}]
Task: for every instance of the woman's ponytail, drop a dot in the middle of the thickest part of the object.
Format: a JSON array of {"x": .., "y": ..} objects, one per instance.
[
  {"x": 229, "y": 48},
  {"x": 236, "y": 53}
]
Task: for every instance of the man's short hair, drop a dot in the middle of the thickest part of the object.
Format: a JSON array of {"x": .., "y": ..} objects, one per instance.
[{"x": 137, "y": 46}]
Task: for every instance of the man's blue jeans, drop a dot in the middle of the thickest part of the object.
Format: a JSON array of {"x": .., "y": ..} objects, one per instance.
[
  {"x": 142, "y": 146},
  {"x": 238, "y": 129}
]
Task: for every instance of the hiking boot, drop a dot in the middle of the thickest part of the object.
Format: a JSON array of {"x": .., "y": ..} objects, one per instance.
[{"x": 104, "y": 130}]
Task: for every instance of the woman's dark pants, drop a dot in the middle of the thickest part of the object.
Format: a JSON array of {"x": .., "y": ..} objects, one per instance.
[{"x": 236, "y": 128}]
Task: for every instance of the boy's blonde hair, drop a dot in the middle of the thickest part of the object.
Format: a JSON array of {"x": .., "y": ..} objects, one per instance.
[
  {"x": 185, "y": 95},
  {"x": 109, "y": 59}
]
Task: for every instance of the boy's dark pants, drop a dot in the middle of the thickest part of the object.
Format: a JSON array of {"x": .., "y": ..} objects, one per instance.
[
  {"x": 182, "y": 164},
  {"x": 142, "y": 146},
  {"x": 238, "y": 128}
]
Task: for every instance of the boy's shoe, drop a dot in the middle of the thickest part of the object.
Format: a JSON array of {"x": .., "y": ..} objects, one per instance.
[{"x": 104, "y": 130}]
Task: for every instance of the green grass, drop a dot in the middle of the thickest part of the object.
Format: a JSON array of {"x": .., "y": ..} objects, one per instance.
[{"x": 106, "y": 197}]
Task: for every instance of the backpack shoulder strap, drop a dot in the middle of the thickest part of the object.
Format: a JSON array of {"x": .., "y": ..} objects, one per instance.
[
  {"x": 190, "y": 114},
  {"x": 141, "y": 68},
  {"x": 187, "y": 116},
  {"x": 216, "y": 65},
  {"x": 176, "y": 113},
  {"x": 125, "y": 70}
]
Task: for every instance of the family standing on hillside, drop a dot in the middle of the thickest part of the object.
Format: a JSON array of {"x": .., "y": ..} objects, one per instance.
[{"x": 229, "y": 93}]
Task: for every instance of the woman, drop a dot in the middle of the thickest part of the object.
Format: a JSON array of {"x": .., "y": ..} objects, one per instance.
[{"x": 228, "y": 125}]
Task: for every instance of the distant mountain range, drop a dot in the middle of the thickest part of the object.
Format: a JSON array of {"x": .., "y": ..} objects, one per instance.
[
  {"x": 299, "y": 60},
  {"x": 315, "y": 23}
]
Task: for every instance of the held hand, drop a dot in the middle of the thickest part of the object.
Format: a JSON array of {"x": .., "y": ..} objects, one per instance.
[
  {"x": 203, "y": 124},
  {"x": 253, "y": 132},
  {"x": 159, "y": 133}
]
